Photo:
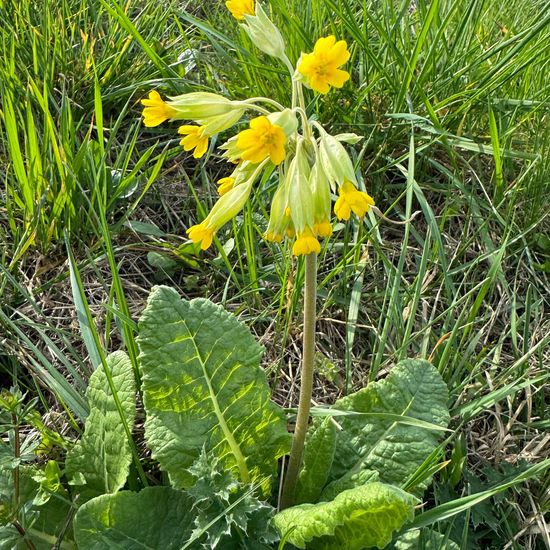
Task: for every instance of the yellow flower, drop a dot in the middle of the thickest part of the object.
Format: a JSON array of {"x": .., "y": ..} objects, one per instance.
[
  {"x": 225, "y": 208},
  {"x": 262, "y": 140},
  {"x": 225, "y": 185},
  {"x": 194, "y": 139},
  {"x": 240, "y": 8},
  {"x": 320, "y": 68},
  {"x": 323, "y": 229},
  {"x": 156, "y": 110},
  {"x": 306, "y": 243},
  {"x": 201, "y": 233},
  {"x": 351, "y": 199}
]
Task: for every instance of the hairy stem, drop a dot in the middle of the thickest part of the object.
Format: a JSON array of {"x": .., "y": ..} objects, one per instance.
[
  {"x": 17, "y": 454},
  {"x": 306, "y": 385}
]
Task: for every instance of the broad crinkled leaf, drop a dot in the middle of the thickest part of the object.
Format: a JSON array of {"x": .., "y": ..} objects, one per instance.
[
  {"x": 359, "y": 518},
  {"x": 414, "y": 388},
  {"x": 318, "y": 455},
  {"x": 348, "y": 481},
  {"x": 156, "y": 518},
  {"x": 423, "y": 539},
  {"x": 203, "y": 388},
  {"x": 102, "y": 456}
]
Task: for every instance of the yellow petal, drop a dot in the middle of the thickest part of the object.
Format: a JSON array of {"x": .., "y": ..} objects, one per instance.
[
  {"x": 324, "y": 44},
  {"x": 337, "y": 78},
  {"x": 261, "y": 122},
  {"x": 319, "y": 84},
  {"x": 339, "y": 53},
  {"x": 153, "y": 99},
  {"x": 201, "y": 147},
  {"x": 188, "y": 129}
]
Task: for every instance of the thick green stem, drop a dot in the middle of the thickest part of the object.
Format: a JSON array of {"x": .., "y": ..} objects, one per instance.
[{"x": 306, "y": 384}]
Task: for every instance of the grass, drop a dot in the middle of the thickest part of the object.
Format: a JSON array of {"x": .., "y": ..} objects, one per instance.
[{"x": 452, "y": 97}]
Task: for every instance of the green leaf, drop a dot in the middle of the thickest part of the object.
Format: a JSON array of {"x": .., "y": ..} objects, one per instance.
[
  {"x": 203, "y": 388},
  {"x": 423, "y": 539},
  {"x": 153, "y": 519},
  {"x": 414, "y": 389},
  {"x": 103, "y": 456},
  {"x": 348, "y": 481},
  {"x": 318, "y": 456},
  {"x": 358, "y": 518}
]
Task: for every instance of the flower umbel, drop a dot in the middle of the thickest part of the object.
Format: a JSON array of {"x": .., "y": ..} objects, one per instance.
[
  {"x": 351, "y": 199},
  {"x": 321, "y": 68},
  {"x": 262, "y": 140},
  {"x": 156, "y": 110},
  {"x": 195, "y": 138},
  {"x": 240, "y": 8}
]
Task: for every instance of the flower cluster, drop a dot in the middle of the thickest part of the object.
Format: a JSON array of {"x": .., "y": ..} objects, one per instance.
[{"x": 312, "y": 164}]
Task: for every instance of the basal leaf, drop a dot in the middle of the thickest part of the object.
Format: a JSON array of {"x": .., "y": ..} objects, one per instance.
[
  {"x": 103, "y": 456},
  {"x": 203, "y": 388},
  {"x": 155, "y": 518},
  {"x": 423, "y": 539},
  {"x": 348, "y": 481},
  {"x": 318, "y": 455},
  {"x": 414, "y": 388},
  {"x": 359, "y": 518}
]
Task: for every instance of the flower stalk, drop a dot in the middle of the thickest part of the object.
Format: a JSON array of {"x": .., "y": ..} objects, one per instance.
[{"x": 306, "y": 383}]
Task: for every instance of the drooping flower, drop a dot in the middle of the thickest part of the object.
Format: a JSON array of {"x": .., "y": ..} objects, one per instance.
[
  {"x": 156, "y": 110},
  {"x": 261, "y": 141},
  {"x": 240, "y": 8},
  {"x": 336, "y": 164},
  {"x": 320, "y": 68},
  {"x": 352, "y": 200},
  {"x": 306, "y": 243},
  {"x": 320, "y": 190},
  {"x": 263, "y": 33},
  {"x": 202, "y": 233},
  {"x": 225, "y": 185},
  {"x": 226, "y": 208},
  {"x": 195, "y": 139}
]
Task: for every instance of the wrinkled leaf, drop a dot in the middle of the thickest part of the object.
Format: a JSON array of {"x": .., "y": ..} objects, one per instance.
[
  {"x": 423, "y": 539},
  {"x": 203, "y": 388},
  {"x": 155, "y": 518},
  {"x": 102, "y": 456},
  {"x": 358, "y": 518},
  {"x": 414, "y": 388},
  {"x": 348, "y": 481},
  {"x": 318, "y": 455}
]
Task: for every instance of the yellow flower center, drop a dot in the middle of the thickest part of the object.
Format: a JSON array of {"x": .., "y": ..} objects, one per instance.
[
  {"x": 321, "y": 67},
  {"x": 262, "y": 140}
]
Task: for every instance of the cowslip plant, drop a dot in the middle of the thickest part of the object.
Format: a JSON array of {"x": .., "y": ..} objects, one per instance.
[
  {"x": 353, "y": 478},
  {"x": 311, "y": 163}
]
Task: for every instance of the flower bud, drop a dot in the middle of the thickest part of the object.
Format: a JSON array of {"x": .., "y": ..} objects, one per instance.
[
  {"x": 201, "y": 105},
  {"x": 300, "y": 199},
  {"x": 335, "y": 161},
  {"x": 321, "y": 200},
  {"x": 214, "y": 125},
  {"x": 264, "y": 34},
  {"x": 286, "y": 119}
]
